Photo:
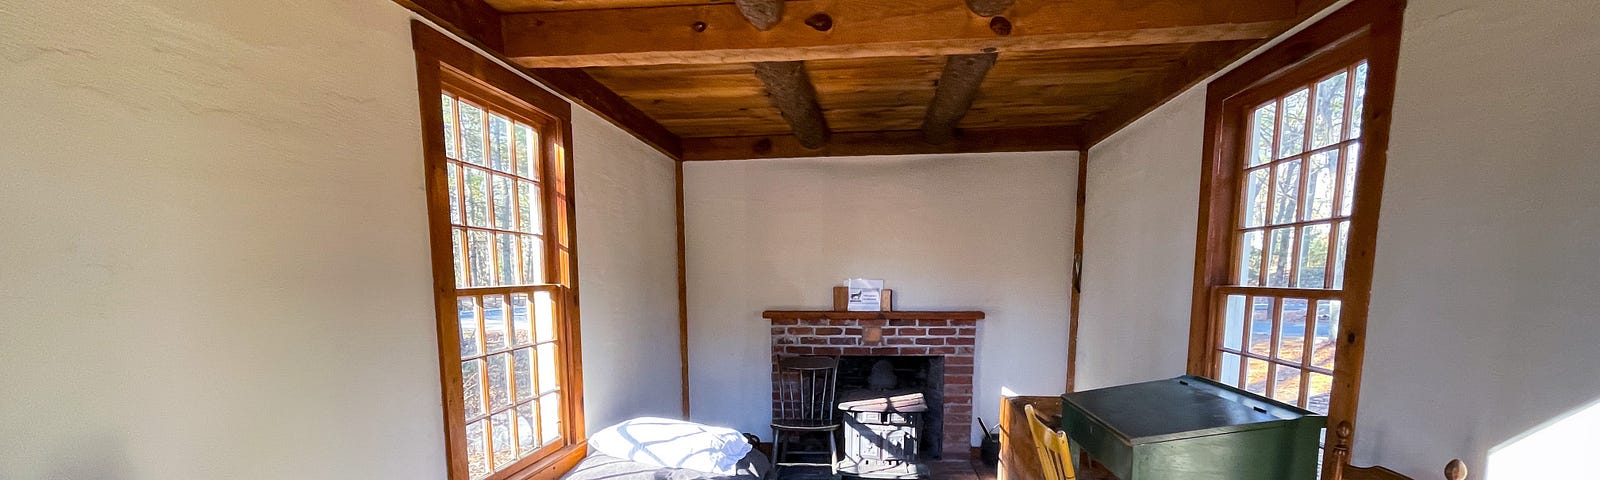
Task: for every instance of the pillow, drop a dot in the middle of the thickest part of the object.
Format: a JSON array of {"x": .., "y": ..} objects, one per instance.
[{"x": 673, "y": 444}]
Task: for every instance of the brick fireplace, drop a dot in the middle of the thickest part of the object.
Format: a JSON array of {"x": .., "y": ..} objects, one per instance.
[{"x": 950, "y": 336}]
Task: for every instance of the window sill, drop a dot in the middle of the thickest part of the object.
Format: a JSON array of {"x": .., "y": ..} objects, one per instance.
[{"x": 551, "y": 467}]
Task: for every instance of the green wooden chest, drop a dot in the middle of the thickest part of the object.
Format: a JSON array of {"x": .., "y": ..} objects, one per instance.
[{"x": 1192, "y": 428}]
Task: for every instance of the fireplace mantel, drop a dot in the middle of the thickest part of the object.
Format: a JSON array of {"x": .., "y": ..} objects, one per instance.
[{"x": 840, "y": 315}]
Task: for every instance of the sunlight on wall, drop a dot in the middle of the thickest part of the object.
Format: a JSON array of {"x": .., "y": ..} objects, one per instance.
[{"x": 1559, "y": 449}]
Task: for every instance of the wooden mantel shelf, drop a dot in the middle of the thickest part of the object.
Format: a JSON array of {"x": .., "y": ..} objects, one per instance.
[{"x": 841, "y": 315}]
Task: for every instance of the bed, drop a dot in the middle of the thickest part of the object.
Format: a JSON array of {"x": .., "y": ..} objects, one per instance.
[{"x": 597, "y": 466}]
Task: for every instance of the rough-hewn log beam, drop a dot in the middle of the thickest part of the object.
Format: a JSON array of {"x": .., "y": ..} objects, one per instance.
[
  {"x": 672, "y": 35},
  {"x": 958, "y": 87},
  {"x": 762, "y": 14},
  {"x": 989, "y": 8},
  {"x": 790, "y": 90},
  {"x": 905, "y": 142}
]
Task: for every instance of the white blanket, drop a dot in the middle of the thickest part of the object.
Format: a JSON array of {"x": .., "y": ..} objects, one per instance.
[{"x": 673, "y": 444}]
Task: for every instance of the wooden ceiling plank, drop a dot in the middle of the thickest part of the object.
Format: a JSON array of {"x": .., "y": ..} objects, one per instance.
[
  {"x": 719, "y": 33},
  {"x": 958, "y": 87},
  {"x": 904, "y": 142},
  {"x": 791, "y": 91},
  {"x": 1200, "y": 62}
]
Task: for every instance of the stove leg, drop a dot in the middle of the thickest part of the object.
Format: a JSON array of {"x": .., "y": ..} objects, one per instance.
[{"x": 833, "y": 453}]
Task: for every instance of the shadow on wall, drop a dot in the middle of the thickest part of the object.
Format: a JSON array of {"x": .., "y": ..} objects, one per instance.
[{"x": 1560, "y": 448}]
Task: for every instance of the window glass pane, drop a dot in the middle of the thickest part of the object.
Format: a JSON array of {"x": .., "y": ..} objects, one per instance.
[
  {"x": 467, "y": 314},
  {"x": 1292, "y": 139},
  {"x": 1325, "y": 340},
  {"x": 1321, "y": 389},
  {"x": 1233, "y": 324},
  {"x": 505, "y": 447},
  {"x": 455, "y": 253},
  {"x": 504, "y": 207},
  {"x": 527, "y": 429},
  {"x": 521, "y": 320},
  {"x": 1255, "y": 197},
  {"x": 523, "y": 363},
  {"x": 547, "y": 367},
  {"x": 494, "y": 322},
  {"x": 1292, "y": 330},
  {"x": 499, "y": 381},
  {"x": 532, "y": 260},
  {"x": 1319, "y": 185},
  {"x": 472, "y": 387},
  {"x": 449, "y": 114},
  {"x": 1262, "y": 125},
  {"x": 477, "y": 451},
  {"x": 478, "y": 248},
  {"x": 1256, "y": 376},
  {"x": 1250, "y": 259},
  {"x": 1313, "y": 256},
  {"x": 1352, "y": 155},
  {"x": 528, "y": 207},
  {"x": 506, "y": 252},
  {"x": 527, "y": 148},
  {"x": 453, "y": 174},
  {"x": 1287, "y": 386},
  {"x": 500, "y": 143},
  {"x": 544, "y": 315},
  {"x": 477, "y": 197},
  {"x": 1359, "y": 102},
  {"x": 1230, "y": 369},
  {"x": 471, "y": 134},
  {"x": 1327, "y": 126},
  {"x": 1287, "y": 204},
  {"x": 1261, "y": 326},
  {"x": 1339, "y": 253},
  {"x": 550, "y": 417},
  {"x": 1280, "y": 241}
]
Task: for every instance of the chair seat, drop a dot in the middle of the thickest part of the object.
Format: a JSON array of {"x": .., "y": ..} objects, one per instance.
[{"x": 805, "y": 424}]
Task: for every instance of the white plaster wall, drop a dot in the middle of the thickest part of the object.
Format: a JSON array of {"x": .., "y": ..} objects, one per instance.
[
  {"x": 1483, "y": 327},
  {"x": 1138, "y": 241},
  {"x": 1484, "y": 320},
  {"x": 948, "y": 232},
  {"x": 628, "y": 274},
  {"x": 215, "y": 252}
]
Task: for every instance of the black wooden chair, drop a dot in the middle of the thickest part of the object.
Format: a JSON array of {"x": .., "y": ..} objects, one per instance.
[{"x": 805, "y": 405}]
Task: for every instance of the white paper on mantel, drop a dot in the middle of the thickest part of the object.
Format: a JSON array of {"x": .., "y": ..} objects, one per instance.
[{"x": 865, "y": 294}]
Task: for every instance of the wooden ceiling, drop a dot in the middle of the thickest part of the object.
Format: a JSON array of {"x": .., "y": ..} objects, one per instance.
[{"x": 844, "y": 77}]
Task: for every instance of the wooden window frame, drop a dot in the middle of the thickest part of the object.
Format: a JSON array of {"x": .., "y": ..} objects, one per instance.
[
  {"x": 1364, "y": 29},
  {"x": 445, "y": 65}
]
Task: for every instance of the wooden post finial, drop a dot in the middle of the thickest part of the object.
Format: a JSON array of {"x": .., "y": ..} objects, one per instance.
[{"x": 1455, "y": 470}]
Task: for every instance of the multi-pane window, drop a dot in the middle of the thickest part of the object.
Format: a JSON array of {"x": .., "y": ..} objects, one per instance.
[
  {"x": 508, "y": 212},
  {"x": 1280, "y": 313}
]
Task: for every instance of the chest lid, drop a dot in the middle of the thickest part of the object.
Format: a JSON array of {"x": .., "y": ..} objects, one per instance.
[{"x": 1183, "y": 407}]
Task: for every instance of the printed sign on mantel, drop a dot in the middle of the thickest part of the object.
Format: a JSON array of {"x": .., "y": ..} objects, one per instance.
[{"x": 866, "y": 295}]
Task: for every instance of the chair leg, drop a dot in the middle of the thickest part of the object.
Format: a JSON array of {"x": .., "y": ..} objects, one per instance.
[
  {"x": 833, "y": 453},
  {"x": 777, "y": 452}
]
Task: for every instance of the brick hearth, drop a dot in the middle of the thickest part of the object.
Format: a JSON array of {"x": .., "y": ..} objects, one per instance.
[{"x": 952, "y": 336}]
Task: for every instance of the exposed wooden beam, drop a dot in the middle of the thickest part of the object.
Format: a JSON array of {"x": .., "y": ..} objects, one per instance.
[
  {"x": 958, "y": 87},
  {"x": 905, "y": 142},
  {"x": 473, "y": 19},
  {"x": 1199, "y": 62},
  {"x": 989, "y": 8},
  {"x": 482, "y": 30},
  {"x": 762, "y": 14},
  {"x": 790, "y": 90},
  {"x": 721, "y": 34}
]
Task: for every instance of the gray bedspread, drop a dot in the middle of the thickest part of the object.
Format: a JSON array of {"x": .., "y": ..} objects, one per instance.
[{"x": 600, "y": 467}]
